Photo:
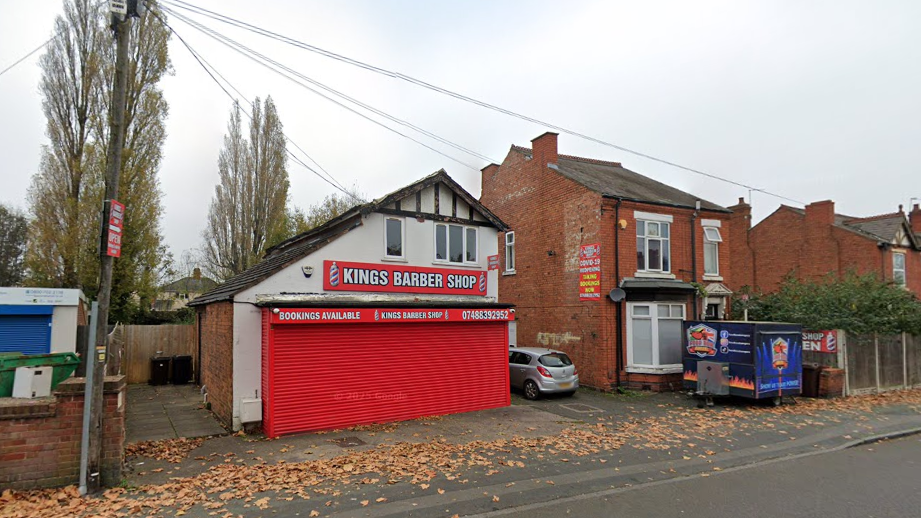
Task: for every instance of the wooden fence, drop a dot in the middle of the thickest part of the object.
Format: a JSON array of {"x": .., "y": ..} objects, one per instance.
[
  {"x": 139, "y": 343},
  {"x": 875, "y": 362}
]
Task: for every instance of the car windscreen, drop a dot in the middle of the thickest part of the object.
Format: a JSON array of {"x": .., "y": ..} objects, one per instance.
[{"x": 555, "y": 360}]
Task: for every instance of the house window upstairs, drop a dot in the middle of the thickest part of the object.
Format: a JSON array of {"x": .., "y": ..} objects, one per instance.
[
  {"x": 653, "y": 249},
  {"x": 898, "y": 268}
]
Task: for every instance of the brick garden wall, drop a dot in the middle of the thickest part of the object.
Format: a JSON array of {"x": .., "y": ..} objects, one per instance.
[
  {"x": 216, "y": 325},
  {"x": 40, "y": 438}
]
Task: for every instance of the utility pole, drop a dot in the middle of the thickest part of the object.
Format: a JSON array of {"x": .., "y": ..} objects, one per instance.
[{"x": 121, "y": 25}]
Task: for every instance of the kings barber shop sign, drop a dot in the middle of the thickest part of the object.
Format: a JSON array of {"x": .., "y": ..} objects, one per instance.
[{"x": 347, "y": 276}]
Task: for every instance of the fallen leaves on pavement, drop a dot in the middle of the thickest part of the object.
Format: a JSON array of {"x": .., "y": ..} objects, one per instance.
[
  {"x": 170, "y": 450},
  {"x": 695, "y": 432}
]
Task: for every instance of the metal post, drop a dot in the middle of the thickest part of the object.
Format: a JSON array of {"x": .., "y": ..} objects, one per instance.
[
  {"x": 89, "y": 359},
  {"x": 876, "y": 348},
  {"x": 842, "y": 360},
  {"x": 113, "y": 166}
]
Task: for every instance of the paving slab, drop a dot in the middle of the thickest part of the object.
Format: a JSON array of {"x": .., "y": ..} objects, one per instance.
[{"x": 167, "y": 412}]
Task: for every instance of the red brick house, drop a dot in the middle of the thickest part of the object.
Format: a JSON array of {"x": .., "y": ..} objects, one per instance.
[
  {"x": 652, "y": 239},
  {"x": 815, "y": 241}
]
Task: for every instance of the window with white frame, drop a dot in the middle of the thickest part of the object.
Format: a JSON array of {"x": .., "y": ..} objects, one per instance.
[
  {"x": 455, "y": 243},
  {"x": 898, "y": 268},
  {"x": 652, "y": 246},
  {"x": 393, "y": 238},
  {"x": 654, "y": 335},
  {"x": 712, "y": 240},
  {"x": 510, "y": 251}
]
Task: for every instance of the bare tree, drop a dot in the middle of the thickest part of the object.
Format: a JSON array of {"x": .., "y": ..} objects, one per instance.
[
  {"x": 66, "y": 194},
  {"x": 61, "y": 192},
  {"x": 249, "y": 204},
  {"x": 13, "y": 227}
]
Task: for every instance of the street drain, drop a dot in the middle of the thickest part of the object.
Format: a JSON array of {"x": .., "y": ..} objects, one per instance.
[
  {"x": 581, "y": 408},
  {"x": 348, "y": 442}
]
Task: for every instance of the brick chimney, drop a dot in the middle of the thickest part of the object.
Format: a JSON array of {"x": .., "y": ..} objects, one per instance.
[
  {"x": 820, "y": 213},
  {"x": 196, "y": 274},
  {"x": 741, "y": 257},
  {"x": 544, "y": 149},
  {"x": 915, "y": 218}
]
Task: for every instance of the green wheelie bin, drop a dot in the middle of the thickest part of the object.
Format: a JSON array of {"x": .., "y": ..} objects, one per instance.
[{"x": 63, "y": 365}]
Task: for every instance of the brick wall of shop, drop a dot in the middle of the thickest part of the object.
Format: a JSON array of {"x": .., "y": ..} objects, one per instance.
[{"x": 216, "y": 326}]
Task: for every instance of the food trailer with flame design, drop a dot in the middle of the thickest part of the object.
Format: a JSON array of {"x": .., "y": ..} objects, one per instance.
[{"x": 758, "y": 360}]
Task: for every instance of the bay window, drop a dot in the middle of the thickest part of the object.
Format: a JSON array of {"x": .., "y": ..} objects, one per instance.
[{"x": 654, "y": 336}]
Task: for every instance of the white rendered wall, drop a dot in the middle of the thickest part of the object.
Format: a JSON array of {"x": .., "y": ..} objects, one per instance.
[
  {"x": 64, "y": 329},
  {"x": 364, "y": 244},
  {"x": 247, "y": 356}
]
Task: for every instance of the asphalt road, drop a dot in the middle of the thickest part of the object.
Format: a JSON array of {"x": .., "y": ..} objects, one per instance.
[{"x": 879, "y": 480}]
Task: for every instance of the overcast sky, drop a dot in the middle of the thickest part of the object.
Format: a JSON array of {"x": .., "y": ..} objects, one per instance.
[{"x": 811, "y": 100}]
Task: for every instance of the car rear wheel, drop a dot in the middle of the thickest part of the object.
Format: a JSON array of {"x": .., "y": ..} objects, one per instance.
[{"x": 531, "y": 391}]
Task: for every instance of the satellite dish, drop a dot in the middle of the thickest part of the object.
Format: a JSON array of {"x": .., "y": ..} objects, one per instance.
[{"x": 617, "y": 294}]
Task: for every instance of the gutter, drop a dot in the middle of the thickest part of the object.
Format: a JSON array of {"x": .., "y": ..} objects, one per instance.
[{"x": 666, "y": 204}]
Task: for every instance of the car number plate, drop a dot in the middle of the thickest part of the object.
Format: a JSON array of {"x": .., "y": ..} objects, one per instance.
[{"x": 565, "y": 385}]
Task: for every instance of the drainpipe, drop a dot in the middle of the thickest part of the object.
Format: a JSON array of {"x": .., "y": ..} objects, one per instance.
[
  {"x": 694, "y": 255},
  {"x": 619, "y": 307}
]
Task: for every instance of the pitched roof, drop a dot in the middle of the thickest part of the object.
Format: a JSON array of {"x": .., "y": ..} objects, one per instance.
[
  {"x": 275, "y": 262},
  {"x": 439, "y": 176},
  {"x": 290, "y": 250},
  {"x": 190, "y": 285},
  {"x": 882, "y": 227},
  {"x": 612, "y": 180}
]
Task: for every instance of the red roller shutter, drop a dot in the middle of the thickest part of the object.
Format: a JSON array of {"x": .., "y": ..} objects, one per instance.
[{"x": 323, "y": 376}]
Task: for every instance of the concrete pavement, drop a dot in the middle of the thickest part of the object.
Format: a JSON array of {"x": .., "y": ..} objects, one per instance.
[
  {"x": 167, "y": 412},
  {"x": 530, "y": 452}
]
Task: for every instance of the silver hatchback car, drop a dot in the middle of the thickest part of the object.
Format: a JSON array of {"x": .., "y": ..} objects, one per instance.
[{"x": 539, "y": 371}]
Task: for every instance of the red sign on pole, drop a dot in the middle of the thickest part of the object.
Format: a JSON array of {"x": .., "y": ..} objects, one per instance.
[
  {"x": 820, "y": 341},
  {"x": 590, "y": 272},
  {"x": 116, "y": 223}
]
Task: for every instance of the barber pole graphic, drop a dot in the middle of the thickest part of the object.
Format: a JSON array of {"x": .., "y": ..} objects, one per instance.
[
  {"x": 831, "y": 342},
  {"x": 334, "y": 275},
  {"x": 482, "y": 283}
]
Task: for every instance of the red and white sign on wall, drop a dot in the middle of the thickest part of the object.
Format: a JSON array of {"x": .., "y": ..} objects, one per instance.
[
  {"x": 346, "y": 276},
  {"x": 116, "y": 224},
  {"x": 388, "y": 315},
  {"x": 820, "y": 341},
  {"x": 492, "y": 262},
  {"x": 590, "y": 272}
]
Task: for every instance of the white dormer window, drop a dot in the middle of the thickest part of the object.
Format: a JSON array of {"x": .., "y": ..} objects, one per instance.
[
  {"x": 394, "y": 238},
  {"x": 455, "y": 244}
]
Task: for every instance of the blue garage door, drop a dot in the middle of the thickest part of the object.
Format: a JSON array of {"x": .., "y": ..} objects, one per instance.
[{"x": 25, "y": 329}]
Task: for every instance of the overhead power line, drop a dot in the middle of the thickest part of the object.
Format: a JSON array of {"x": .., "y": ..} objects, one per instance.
[
  {"x": 40, "y": 47},
  {"x": 418, "y": 82},
  {"x": 274, "y": 65},
  {"x": 208, "y": 68},
  {"x": 20, "y": 60}
]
